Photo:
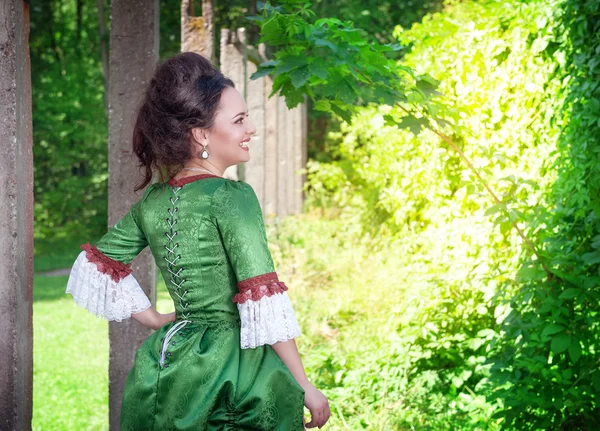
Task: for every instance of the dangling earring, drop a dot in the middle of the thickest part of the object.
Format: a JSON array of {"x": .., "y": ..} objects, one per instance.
[{"x": 204, "y": 154}]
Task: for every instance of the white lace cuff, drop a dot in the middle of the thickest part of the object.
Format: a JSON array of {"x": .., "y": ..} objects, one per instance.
[
  {"x": 101, "y": 295},
  {"x": 267, "y": 321}
]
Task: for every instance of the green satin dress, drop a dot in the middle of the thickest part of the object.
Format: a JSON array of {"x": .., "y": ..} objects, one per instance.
[{"x": 213, "y": 368}]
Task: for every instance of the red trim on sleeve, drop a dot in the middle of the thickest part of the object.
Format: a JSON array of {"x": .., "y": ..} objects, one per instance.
[
  {"x": 179, "y": 182},
  {"x": 254, "y": 288},
  {"x": 106, "y": 265}
]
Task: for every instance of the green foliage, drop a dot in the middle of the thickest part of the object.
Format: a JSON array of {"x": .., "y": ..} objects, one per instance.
[
  {"x": 375, "y": 18},
  {"x": 373, "y": 352},
  {"x": 485, "y": 317},
  {"x": 69, "y": 121},
  {"x": 337, "y": 68},
  {"x": 546, "y": 365}
]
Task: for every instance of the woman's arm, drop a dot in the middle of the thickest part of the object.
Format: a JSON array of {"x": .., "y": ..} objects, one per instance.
[
  {"x": 313, "y": 399},
  {"x": 288, "y": 352},
  {"x": 152, "y": 318}
]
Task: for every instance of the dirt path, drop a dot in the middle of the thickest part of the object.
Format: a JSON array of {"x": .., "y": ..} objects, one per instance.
[{"x": 55, "y": 272}]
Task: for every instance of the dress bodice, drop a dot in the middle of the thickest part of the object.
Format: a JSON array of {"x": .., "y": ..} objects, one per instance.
[
  {"x": 185, "y": 242},
  {"x": 208, "y": 239}
]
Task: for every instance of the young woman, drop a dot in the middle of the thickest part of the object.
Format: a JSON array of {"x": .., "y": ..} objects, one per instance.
[{"x": 226, "y": 359}]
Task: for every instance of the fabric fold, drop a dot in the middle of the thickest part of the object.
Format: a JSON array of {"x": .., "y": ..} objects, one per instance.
[{"x": 101, "y": 295}]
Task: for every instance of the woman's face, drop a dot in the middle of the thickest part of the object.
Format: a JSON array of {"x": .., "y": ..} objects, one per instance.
[{"x": 229, "y": 137}]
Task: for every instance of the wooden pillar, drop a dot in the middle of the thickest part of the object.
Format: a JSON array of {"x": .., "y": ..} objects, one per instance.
[
  {"x": 270, "y": 156},
  {"x": 277, "y": 153},
  {"x": 283, "y": 166},
  {"x": 297, "y": 159},
  {"x": 232, "y": 66},
  {"x": 255, "y": 168},
  {"x": 16, "y": 219},
  {"x": 303, "y": 150},
  {"x": 197, "y": 31},
  {"x": 290, "y": 145},
  {"x": 134, "y": 49}
]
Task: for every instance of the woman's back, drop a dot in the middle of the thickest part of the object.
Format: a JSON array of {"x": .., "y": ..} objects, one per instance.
[{"x": 185, "y": 242}]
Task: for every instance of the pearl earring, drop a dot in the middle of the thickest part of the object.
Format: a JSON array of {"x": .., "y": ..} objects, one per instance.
[{"x": 204, "y": 154}]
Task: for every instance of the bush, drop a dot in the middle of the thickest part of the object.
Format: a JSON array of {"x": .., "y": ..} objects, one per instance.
[{"x": 483, "y": 313}]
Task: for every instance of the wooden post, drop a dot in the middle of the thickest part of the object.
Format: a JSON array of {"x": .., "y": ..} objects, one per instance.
[
  {"x": 297, "y": 158},
  {"x": 134, "y": 36},
  {"x": 232, "y": 67},
  {"x": 270, "y": 158},
  {"x": 277, "y": 152},
  {"x": 255, "y": 99},
  {"x": 290, "y": 146},
  {"x": 197, "y": 31},
  {"x": 16, "y": 219},
  {"x": 283, "y": 166},
  {"x": 303, "y": 150}
]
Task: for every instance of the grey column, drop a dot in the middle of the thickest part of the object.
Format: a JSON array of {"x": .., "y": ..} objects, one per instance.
[
  {"x": 271, "y": 112},
  {"x": 303, "y": 149},
  {"x": 16, "y": 219},
  {"x": 232, "y": 66},
  {"x": 283, "y": 165},
  {"x": 197, "y": 31},
  {"x": 134, "y": 50},
  {"x": 255, "y": 167},
  {"x": 297, "y": 115}
]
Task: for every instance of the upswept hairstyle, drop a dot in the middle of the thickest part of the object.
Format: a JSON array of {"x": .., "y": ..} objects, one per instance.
[{"x": 183, "y": 93}]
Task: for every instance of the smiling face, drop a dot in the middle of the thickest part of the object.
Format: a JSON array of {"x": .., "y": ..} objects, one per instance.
[{"x": 228, "y": 139}]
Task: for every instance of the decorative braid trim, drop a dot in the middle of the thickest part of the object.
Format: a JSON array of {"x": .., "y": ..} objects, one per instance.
[
  {"x": 252, "y": 289},
  {"x": 269, "y": 277},
  {"x": 186, "y": 180},
  {"x": 113, "y": 268}
]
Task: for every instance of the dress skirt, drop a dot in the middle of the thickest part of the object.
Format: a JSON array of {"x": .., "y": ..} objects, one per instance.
[{"x": 207, "y": 382}]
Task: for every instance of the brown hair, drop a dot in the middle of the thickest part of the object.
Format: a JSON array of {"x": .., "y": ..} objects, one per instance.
[{"x": 183, "y": 93}]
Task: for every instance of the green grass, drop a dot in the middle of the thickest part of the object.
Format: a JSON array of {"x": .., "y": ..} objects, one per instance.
[
  {"x": 70, "y": 353},
  {"x": 70, "y": 360},
  {"x": 59, "y": 254}
]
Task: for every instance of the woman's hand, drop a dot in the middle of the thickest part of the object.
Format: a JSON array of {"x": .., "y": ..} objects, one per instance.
[
  {"x": 152, "y": 318},
  {"x": 318, "y": 405}
]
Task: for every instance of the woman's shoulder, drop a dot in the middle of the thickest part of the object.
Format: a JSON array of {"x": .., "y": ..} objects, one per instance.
[
  {"x": 234, "y": 195},
  {"x": 222, "y": 192},
  {"x": 233, "y": 190}
]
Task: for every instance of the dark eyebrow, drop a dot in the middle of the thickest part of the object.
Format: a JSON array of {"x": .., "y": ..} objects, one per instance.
[{"x": 241, "y": 113}]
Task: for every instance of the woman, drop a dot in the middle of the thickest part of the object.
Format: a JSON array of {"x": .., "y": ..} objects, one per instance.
[{"x": 226, "y": 359}]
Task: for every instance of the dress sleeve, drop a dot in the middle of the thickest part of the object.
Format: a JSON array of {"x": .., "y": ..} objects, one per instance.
[
  {"x": 266, "y": 312},
  {"x": 101, "y": 280}
]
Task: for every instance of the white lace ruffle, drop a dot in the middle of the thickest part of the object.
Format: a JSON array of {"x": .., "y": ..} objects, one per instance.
[
  {"x": 101, "y": 295},
  {"x": 267, "y": 321}
]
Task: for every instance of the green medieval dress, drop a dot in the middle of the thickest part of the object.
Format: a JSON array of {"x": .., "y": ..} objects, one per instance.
[{"x": 213, "y": 368}]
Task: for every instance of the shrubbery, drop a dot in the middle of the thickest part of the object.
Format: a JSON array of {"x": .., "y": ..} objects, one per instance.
[{"x": 480, "y": 321}]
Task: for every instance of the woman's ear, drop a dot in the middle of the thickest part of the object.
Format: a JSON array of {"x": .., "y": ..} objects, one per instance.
[{"x": 200, "y": 135}]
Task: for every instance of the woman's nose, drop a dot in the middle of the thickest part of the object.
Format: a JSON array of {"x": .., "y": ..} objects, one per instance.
[{"x": 251, "y": 128}]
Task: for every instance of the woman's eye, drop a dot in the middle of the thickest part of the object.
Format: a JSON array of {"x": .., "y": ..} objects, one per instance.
[{"x": 241, "y": 119}]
